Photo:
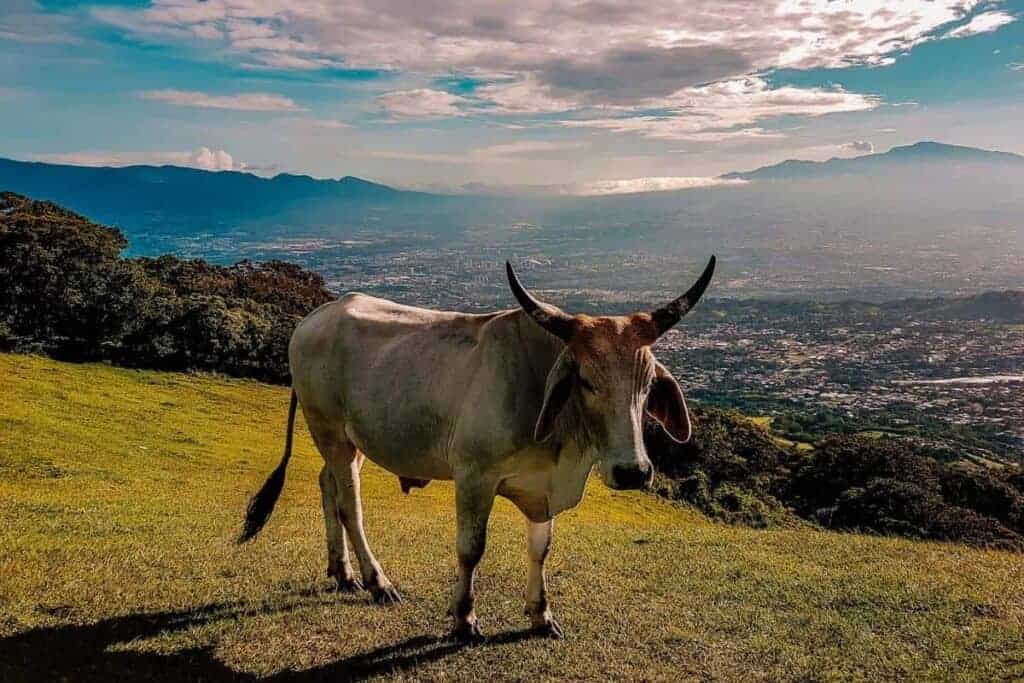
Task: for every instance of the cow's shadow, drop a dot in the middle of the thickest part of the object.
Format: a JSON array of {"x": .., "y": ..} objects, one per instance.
[
  {"x": 395, "y": 658},
  {"x": 90, "y": 653}
]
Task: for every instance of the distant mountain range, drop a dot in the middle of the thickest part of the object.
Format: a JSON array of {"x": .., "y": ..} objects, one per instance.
[
  {"x": 915, "y": 219},
  {"x": 1006, "y": 306},
  {"x": 32, "y": 177},
  {"x": 110, "y": 194},
  {"x": 105, "y": 193},
  {"x": 920, "y": 154},
  {"x": 165, "y": 201}
]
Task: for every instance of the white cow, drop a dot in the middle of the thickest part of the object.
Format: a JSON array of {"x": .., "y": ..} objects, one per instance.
[{"x": 520, "y": 403}]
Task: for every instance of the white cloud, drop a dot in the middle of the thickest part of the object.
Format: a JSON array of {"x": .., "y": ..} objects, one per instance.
[
  {"x": 1014, "y": 66},
  {"x": 731, "y": 110},
  {"x": 324, "y": 124},
  {"x": 253, "y": 101},
  {"x": 671, "y": 128},
  {"x": 532, "y": 149},
  {"x": 421, "y": 103},
  {"x": 430, "y": 157},
  {"x": 634, "y": 185},
  {"x": 858, "y": 147},
  {"x": 983, "y": 23},
  {"x": 203, "y": 158},
  {"x": 211, "y": 160},
  {"x": 505, "y": 153}
]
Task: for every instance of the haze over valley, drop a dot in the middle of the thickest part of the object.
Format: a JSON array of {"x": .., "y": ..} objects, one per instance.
[{"x": 917, "y": 220}]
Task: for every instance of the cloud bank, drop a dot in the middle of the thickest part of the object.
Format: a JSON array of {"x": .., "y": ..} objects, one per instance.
[
  {"x": 254, "y": 101},
  {"x": 665, "y": 69},
  {"x": 635, "y": 185},
  {"x": 615, "y": 49}
]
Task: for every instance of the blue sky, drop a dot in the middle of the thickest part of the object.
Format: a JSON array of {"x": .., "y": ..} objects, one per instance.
[{"x": 439, "y": 94}]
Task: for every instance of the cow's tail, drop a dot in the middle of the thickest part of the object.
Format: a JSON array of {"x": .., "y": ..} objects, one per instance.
[{"x": 262, "y": 504}]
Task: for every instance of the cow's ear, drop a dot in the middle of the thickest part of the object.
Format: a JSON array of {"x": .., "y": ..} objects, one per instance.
[
  {"x": 667, "y": 405},
  {"x": 559, "y": 386}
]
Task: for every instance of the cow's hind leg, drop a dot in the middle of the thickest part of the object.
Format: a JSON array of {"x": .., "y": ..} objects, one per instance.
[
  {"x": 345, "y": 462},
  {"x": 538, "y": 542},
  {"x": 339, "y": 566}
]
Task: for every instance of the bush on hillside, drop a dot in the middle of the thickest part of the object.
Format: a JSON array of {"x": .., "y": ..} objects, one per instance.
[
  {"x": 286, "y": 286},
  {"x": 729, "y": 469},
  {"x": 885, "y": 485},
  {"x": 63, "y": 286},
  {"x": 733, "y": 470},
  {"x": 65, "y": 290}
]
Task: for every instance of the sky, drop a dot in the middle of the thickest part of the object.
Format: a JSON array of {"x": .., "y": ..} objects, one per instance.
[{"x": 434, "y": 94}]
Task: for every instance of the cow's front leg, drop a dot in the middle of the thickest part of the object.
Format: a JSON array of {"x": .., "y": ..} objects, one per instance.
[
  {"x": 474, "y": 499},
  {"x": 538, "y": 542}
]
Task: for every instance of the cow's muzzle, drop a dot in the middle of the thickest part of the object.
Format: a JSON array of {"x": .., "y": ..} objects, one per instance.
[{"x": 625, "y": 477}]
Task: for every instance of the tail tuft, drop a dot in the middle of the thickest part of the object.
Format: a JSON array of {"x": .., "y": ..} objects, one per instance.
[{"x": 262, "y": 504}]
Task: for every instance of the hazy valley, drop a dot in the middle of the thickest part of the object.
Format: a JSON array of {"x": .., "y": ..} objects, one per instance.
[{"x": 916, "y": 221}]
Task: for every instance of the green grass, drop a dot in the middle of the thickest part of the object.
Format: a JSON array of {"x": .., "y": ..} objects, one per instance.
[
  {"x": 121, "y": 492},
  {"x": 765, "y": 423}
]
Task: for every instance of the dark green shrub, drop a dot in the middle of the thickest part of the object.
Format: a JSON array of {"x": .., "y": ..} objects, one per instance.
[
  {"x": 63, "y": 287},
  {"x": 66, "y": 291}
]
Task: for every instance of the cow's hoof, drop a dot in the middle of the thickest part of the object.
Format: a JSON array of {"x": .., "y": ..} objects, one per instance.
[
  {"x": 385, "y": 595},
  {"x": 551, "y": 630},
  {"x": 347, "y": 584},
  {"x": 468, "y": 633}
]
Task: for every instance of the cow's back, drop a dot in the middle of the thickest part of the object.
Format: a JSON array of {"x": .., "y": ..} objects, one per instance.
[{"x": 395, "y": 376}]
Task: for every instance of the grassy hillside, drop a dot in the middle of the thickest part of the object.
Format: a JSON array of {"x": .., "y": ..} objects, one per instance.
[{"x": 121, "y": 492}]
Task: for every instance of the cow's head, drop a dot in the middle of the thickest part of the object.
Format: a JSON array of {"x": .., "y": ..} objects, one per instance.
[{"x": 606, "y": 378}]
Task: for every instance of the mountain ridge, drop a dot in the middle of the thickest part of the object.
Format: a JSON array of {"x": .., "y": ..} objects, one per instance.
[
  {"x": 925, "y": 151},
  {"x": 146, "y": 172},
  {"x": 350, "y": 187},
  {"x": 902, "y": 187},
  {"x": 172, "y": 199}
]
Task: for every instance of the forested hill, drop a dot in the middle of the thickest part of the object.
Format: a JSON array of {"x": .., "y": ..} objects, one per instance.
[{"x": 164, "y": 313}]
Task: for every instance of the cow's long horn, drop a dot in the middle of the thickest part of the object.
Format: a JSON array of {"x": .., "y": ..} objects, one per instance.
[
  {"x": 547, "y": 316},
  {"x": 671, "y": 313}
]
